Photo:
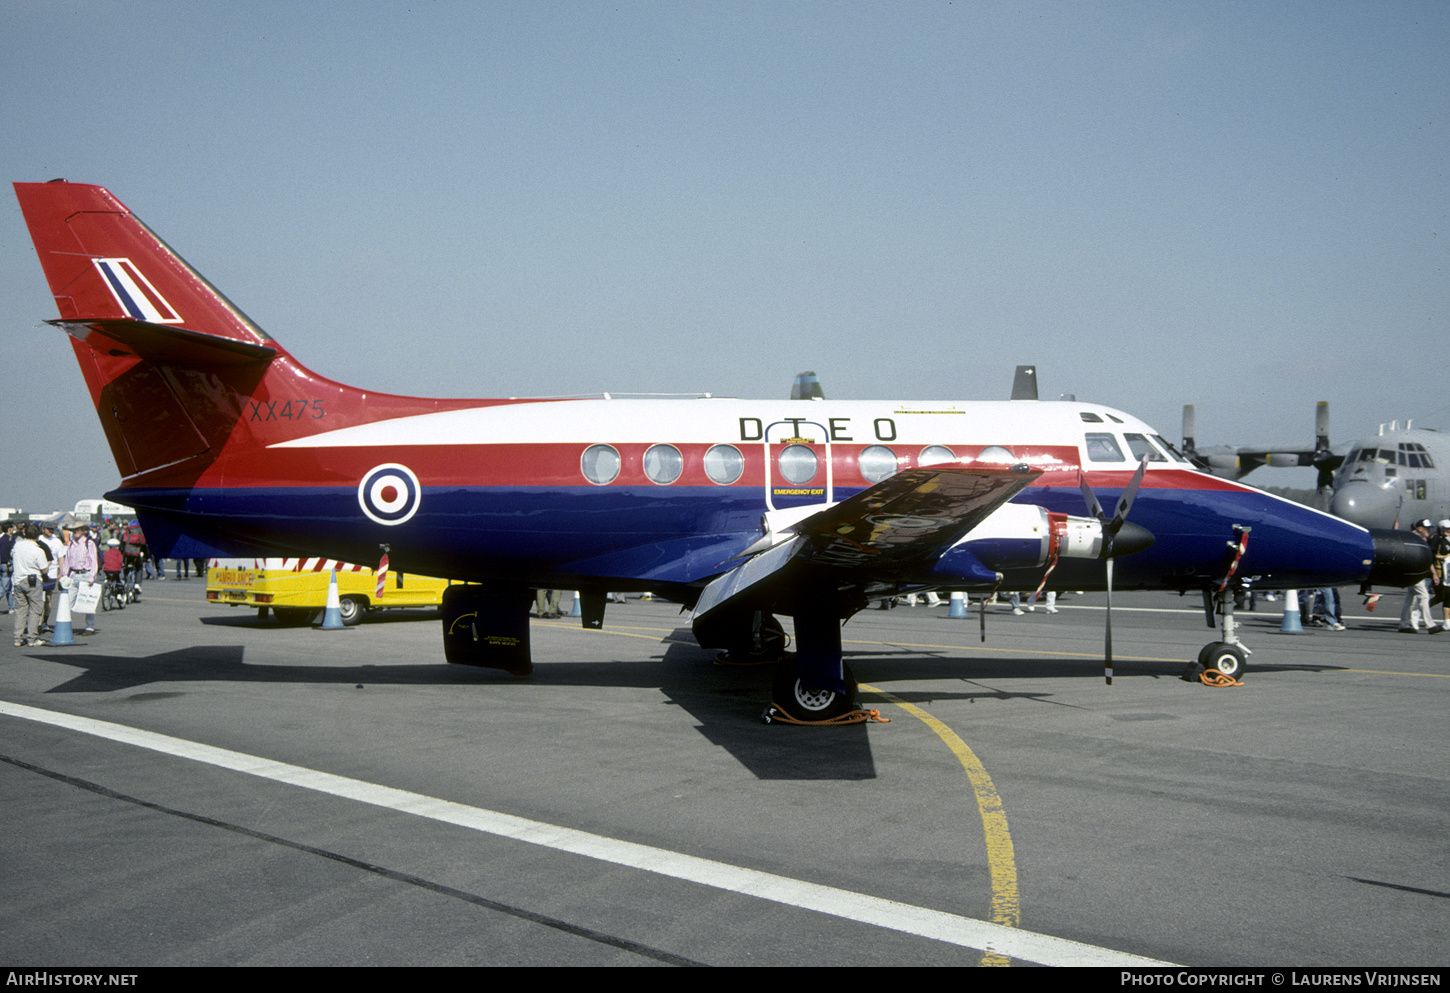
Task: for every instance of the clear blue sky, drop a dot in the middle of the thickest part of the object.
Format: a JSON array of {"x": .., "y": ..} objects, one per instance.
[{"x": 1237, "y": 205}]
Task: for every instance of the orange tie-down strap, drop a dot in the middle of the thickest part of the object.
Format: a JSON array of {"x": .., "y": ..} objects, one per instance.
[
  {"x": 774, "y": 714},
  {"x": 1217, "y": 679}
]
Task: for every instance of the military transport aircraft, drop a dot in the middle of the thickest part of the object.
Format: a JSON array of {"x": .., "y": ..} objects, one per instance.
[
  {"x": 738, "y": 509},
  {"x": 1389, "y": 480}
]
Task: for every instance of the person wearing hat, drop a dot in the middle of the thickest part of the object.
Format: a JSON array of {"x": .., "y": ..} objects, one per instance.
[
  {"x": 82, "y": 563},
  {"x": 1440, "y": 550},
  {"x": 1417, "y": 597}
]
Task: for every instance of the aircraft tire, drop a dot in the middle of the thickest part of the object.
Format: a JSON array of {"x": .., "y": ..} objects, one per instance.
[
  {"x": 803, "y": 704},
  {"x": 1223, "y": 658}
]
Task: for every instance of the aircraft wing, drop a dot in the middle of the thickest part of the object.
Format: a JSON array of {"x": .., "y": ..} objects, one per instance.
[
  {"x": 909, "y": 519},
  {"x": 884, "y": 534}
]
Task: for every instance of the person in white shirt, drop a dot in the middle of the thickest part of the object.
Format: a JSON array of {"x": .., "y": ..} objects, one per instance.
[
  {"x": 52, "y": 570},
  {"x": 28, "y": 573}
]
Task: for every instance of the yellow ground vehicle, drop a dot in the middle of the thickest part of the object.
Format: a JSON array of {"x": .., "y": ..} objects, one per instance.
[{"x": 296, "y": 589}]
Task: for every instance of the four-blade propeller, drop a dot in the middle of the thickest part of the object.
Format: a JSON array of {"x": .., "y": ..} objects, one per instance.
[{"x": 1111, "y": 527}]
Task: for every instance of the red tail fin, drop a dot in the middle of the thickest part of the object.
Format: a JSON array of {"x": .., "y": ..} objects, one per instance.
[
  {"x": 103, "y": 264},
  {"x": 180, "y": 377}
]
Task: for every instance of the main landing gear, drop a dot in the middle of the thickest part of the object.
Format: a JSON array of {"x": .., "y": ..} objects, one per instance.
[
  {"x": 815, "y": 686},
  {"x": 793, "y": 695}
]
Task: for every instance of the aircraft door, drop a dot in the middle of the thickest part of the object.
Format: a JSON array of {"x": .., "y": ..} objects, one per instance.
[{"x": 798, "y": 469}]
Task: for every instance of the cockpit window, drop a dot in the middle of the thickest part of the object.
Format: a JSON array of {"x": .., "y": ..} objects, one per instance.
[
  {"x": 1413, "y": 454},
  {"x": 1141, "y": 446},
  {"x": 1091, "y": 418},
  {"x": 1103, "y": 447}
]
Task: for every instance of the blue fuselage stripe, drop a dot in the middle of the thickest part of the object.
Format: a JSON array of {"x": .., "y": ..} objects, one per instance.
[{"x": 546, "y": 529}]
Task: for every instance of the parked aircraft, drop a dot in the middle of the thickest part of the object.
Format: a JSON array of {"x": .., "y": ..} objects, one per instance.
[
  {"x": 738, "y": 509},
  {"x": 1394, "y": 478},
  {"x": 1237, "y": 461},
  {"x": 1388, "y": 480}
]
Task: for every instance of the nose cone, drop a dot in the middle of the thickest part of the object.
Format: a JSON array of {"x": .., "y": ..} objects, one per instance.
[
  {"x": 1363, "y": 503},
  {"x": 1400, "y": 558}
]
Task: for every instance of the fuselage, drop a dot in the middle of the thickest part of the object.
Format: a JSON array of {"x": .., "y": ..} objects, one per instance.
[
  {"x": 666, "y": 493},
  {"x": 1394, "y": 479}
]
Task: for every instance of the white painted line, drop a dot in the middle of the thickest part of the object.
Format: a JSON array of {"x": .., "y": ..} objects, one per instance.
[{"x": 934, "y": 924}]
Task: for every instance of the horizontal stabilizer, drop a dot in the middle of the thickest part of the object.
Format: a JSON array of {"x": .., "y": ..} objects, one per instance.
[{"x": 163, "y": 343}]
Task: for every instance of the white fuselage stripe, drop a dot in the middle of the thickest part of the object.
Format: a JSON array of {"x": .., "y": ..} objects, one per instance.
[
  {"x": 708, "y": 421},
  {"x": 924, "y": 922}
]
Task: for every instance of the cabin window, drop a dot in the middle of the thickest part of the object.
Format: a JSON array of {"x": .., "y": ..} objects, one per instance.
[
  {"x": 798, "y": 464},
  {"x": 663, "y": 464},
  {"x": 1103, "y": 447},
  {"x": 877, "y": 462},
  {"x": 1141, "y": 446},
  {"x": 935, "y": 454},
  {"x": 724, "y": 464},
  {"x": 996, "y": 455},
  {"x": 600, "y": 464}
]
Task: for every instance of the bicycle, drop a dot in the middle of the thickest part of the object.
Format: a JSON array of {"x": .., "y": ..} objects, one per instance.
[
  {"x": 131, "y": 581},
  {"x": 113, "y": 594}
]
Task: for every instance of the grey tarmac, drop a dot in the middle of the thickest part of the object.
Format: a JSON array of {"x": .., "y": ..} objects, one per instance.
[{"x": 1296, "y": 820}]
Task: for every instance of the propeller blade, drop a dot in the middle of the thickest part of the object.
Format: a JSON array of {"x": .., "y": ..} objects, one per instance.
[
  {"x": 1090, "y": 498},
  {"x": 1110, "y": 531},
  {"x": 1108, "y": 634},
  {"x": 1130, "y": 493}
]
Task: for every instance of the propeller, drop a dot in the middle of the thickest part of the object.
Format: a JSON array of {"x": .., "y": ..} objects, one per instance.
[
  {"x": 1323, "y": 459},
  {"x": 1111, "y": 527},
  {"x": 1189, "y": 449}
]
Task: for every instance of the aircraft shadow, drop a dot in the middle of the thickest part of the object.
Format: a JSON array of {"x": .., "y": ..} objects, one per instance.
[{"x": 725, "y": 701}]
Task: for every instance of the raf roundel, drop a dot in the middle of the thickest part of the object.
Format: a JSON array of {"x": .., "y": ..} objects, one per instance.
[{"x": 389, "y": 494}]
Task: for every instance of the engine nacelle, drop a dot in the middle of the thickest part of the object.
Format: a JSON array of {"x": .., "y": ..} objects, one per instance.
[{"x": 1020, "y": 536}]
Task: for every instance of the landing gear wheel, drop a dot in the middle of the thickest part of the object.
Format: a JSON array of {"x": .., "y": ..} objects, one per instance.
[
  {"x": 805, "y": 704},
  {"x": 1225, "y": 659}
]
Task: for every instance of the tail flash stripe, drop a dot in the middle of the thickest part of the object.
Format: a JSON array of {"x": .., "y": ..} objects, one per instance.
[{"x": 134, "y": 292}]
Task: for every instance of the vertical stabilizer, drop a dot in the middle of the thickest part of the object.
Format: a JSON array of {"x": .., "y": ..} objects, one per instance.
[{"x": 103, "y": 264}]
